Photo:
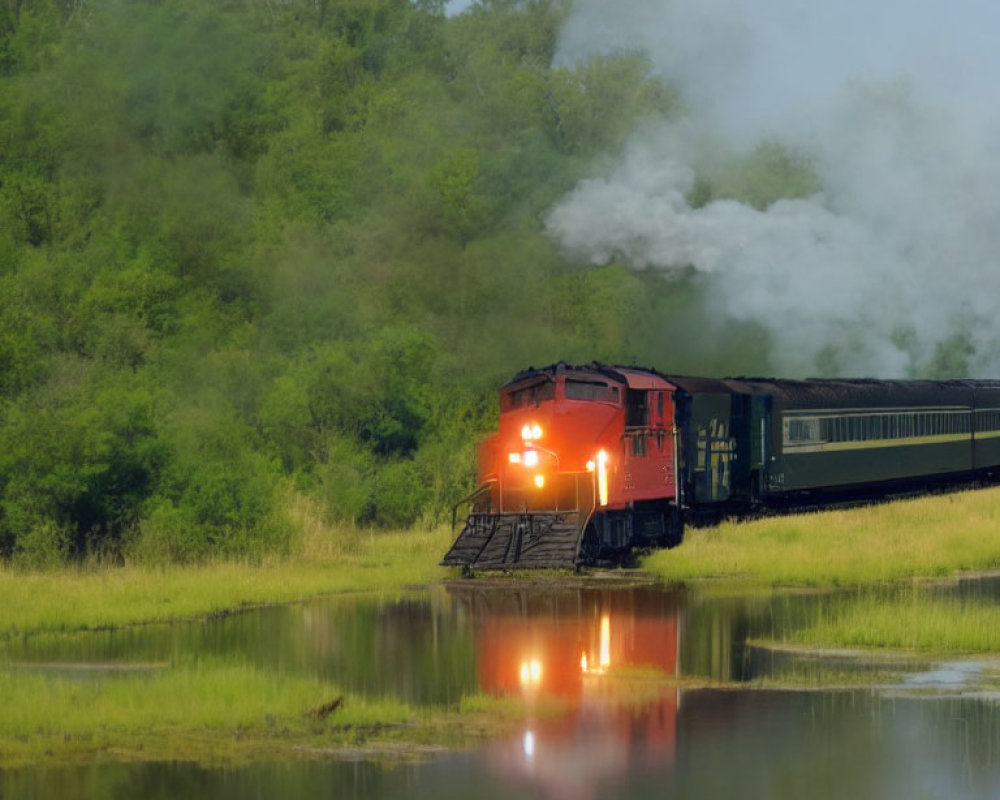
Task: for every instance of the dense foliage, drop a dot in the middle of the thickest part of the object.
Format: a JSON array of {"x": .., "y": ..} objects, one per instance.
[{"x": 256, "y": 249}]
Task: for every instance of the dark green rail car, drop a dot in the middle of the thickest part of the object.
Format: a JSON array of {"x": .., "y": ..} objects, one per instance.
[{"x": 757, "y": 442}]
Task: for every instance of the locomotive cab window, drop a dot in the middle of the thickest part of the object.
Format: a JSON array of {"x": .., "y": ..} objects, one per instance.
[
  {"x": 591, "y": 390},
  {"x": 533, "y": 394},
  {"x": 637, "y": 412}
]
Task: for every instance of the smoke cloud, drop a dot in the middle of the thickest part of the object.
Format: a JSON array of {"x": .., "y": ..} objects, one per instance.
[{"x": 893, "y": 269}]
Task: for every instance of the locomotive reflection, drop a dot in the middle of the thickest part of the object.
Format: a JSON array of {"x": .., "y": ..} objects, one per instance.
[{"x": 603, "y": 659}]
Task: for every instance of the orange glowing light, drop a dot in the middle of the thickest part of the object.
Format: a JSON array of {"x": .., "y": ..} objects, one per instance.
[
  {"x": 540, "y": 481},
  {"x": 602, "y": 478},
  {"x": 530, "y": 458},
  {"x": 531, "y": 671},
  {"x": 583, "y": 662},
  {"x": 515, "y": 458},
  {"x": 605, "y": 641}
]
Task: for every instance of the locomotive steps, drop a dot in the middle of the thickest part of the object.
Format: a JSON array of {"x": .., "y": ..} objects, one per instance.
[{"x": 549, "y": 540}]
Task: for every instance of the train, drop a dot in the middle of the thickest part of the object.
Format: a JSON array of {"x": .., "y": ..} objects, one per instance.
[{"x": 590, "y": 462}]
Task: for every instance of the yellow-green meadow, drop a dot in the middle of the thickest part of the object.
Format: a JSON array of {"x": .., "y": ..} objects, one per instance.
[{"x": 932, "y": 536}]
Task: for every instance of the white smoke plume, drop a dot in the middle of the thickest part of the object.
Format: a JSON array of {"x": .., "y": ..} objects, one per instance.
[{"x": 896, "y": 104}]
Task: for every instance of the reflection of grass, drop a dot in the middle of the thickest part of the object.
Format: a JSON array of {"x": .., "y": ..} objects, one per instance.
[
  {"x": 216, "y": 713},
  {"x": 328, "y": 562},
  {"x": 914, "y": 622},
  {"x": 930, "y": 536}
]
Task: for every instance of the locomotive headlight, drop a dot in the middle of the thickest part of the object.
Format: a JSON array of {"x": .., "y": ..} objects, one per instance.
[
  {"x": 540, "y": 481},
  {"x": 530, "y": 458},
  {"x": 531, "y": 432},
  {"x": 514, "y": 458},
  {"x": 602, "y": 477}
]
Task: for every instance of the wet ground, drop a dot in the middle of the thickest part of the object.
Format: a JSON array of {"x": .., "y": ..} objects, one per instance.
[{"x": 666, "y": 693}]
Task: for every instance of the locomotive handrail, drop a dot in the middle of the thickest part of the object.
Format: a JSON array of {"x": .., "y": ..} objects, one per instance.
[{"x": 469, "y": 498}]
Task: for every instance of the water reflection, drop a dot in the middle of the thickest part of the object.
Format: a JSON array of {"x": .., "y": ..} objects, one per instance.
[
  {"x": 609, "y": 660},
  {"x": 729, "y": 744},
  {"x": 605, "y": 655},
  {"x": 415, "y": 648}
]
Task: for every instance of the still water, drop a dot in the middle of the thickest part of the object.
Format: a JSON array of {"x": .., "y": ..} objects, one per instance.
[{"x": 918, "y": 731}]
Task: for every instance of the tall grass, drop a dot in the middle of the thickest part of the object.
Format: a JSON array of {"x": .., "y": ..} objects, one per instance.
[
  {"x": 216, "y": 712},
  {"x": 913, "y": 622},
  {"x": 932, "y": 536},
  {"x": 195, "y": 697},
  {"x": 325, "y": 560}
]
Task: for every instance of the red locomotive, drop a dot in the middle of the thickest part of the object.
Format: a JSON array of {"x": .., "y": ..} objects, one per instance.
[{"x": 591, "y": 461}]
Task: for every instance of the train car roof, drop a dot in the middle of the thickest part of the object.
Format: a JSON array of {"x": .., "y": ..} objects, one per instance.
[
  {"x": 788, "y": 393},
  {"x": 634, "y": 377},
  {"x": 863, "y": 392}
]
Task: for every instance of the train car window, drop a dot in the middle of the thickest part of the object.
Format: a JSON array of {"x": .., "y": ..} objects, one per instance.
[
  {"x": 533, "y": 394},
  {"x": 591, "y": 390},
  {"x": 639, "y": 445},
  {"x": 803, "y": 430}
]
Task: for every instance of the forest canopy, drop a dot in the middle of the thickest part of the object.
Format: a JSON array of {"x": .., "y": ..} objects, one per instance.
[{"x": 253, "y": 250}]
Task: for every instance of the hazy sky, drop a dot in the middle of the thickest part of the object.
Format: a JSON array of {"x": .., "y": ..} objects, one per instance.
[{"x": 457, "y": 6}]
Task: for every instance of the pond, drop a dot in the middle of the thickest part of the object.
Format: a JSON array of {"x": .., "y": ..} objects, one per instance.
[{"x": 661, "y": 692}]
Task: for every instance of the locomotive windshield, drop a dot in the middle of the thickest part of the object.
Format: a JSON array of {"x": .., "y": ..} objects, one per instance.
[
  {"x": 591, "y": 390},
  {"x": 530, "y": 395}
]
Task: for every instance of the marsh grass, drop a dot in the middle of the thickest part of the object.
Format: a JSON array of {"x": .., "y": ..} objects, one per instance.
[
  {"x": 326, "y": 560},
  {"x": 938, "y": 535},
  {"x": 914, "y": 621},
  {"x": 216, "y": 712},
  {"x": 827, "y": 679}
]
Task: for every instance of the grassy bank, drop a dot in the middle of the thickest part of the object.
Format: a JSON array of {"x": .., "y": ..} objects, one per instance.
[
  {"x": 928, "y": 537},
  {"x": 325, "y": 562},
  {"x": 218, "y": 714},
  {"x": 915, "y": 622}
]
